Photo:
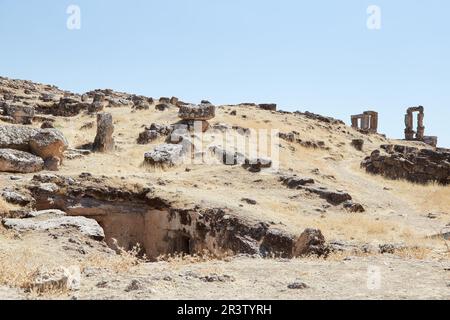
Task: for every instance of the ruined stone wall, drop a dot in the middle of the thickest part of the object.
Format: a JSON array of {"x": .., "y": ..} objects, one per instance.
[{"x": 409, "y": 163}]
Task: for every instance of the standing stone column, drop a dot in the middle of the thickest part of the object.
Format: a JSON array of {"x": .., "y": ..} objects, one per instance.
[
  {"x": 365, "y": 123},
  {"x": 409, "y": 132},
  {"x": 104, "y": 141},
  {"x": 354, "y": 122},
  {"x": 374, "y": 122},
  {"x": 420, "y": 126}
]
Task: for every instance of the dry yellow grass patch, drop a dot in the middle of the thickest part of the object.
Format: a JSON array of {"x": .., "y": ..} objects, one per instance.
[
  {"x": 124, "y": 261},
  {"x": 429, "y": 197}
]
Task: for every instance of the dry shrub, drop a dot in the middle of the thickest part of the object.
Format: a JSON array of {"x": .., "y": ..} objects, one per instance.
[
  {"x": 203, "y": 256},
  {"x": 124, "y": 261},
  {"x": 419, "y": 253}
]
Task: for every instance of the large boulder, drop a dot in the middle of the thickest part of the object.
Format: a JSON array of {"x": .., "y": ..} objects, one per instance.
[
  {"x": 104, "y": 141},
  {"x": 16, "y": 137},
  {"x": 310, "y": 242},
  {"x": 202, "y": 112},
  {"x": 49, "y": 143},
  {"x": 19, "y": 161},
  {"x": 165, "y": 155}
]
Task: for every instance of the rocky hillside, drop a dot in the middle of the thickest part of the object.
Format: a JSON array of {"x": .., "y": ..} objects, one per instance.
[{"x": 140, "y": 195}]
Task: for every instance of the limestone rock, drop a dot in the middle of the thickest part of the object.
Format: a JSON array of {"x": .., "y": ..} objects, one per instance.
[
  {"x": 165, "y": 155},
  {"x": 85, "y": 226},
  {"x": 197, "y": 112},
  {"x": 104, "y": 141},
  {"x": 16, "y": 137},
  {"x": 19, "y": 161},
  {"x": 49, "y": 143},
  {"x": 59, "y": 279}
]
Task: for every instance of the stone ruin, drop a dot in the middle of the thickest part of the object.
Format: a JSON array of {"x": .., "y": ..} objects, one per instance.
[
  {"x": 412, "y": 135},
  {"x": 366, "y": 122}
]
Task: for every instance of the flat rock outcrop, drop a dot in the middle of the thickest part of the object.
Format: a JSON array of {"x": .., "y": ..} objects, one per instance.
[
  {"x": 54, "y": 219},
  {"x": 202, "y": 112},
  {"x": 409, "y": 163},
  {"x": 16, "y": 161}
]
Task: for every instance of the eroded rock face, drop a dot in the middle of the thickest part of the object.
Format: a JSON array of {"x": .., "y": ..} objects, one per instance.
[
  {"x": 412, "y": 164},
  {"x": 104, "y": 141},
  {"x": 16, "y": 161},
  {"x": 137, "y": 216},
  {"x": 202, "y": 112},
  {"x": 49, "y": 143}
]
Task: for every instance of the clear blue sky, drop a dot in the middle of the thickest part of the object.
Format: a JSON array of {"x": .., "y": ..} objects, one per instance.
[{"x": 306, "y": 55}]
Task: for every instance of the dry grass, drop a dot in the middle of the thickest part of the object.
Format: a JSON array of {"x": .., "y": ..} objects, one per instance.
[
  {"x": 5, "y": 208},
  {"x": 124, "y": 261},
  {"x": 185, "y": 259},
  {"x": 17, "y": 268}
]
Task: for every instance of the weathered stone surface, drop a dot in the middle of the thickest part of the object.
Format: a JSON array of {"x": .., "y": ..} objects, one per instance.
[
  {"x": 49, "y": 143},
  {"x": 353, "y": 207},
  {"x": 162, "y": 107},
  {"x": 45, "y": 222},
  {"x": 197, "y": 112},
  {"x": 257, "y": 164},
  {"x": 19, "y": 161},
  {"x": 16, "y": 137},
  {"x": 321, "y": 118},
  {"x": 15, "y": 197},
  {"x": 153, "y": 132},
  {"x": 358, "y": 144},
  {"x": 293, "y": 182},
  {"x": 310, "y": 242},
  {"x": 227, "y": 157},
  {"x": 148, "y": 136},
  {"x": 174, "y": 101},
  {"x": 104, "y": 141},
  {"x": 295, "y": 138},
  {"x": 413, "y": 164},
  {"x": 268, "y": 106},
  {"x": 20, "y": 114},
  {"x": 67, "y": 107},
  {"x": 59, "y": 279},
  {"x": 333, "y": 197},
  {"x": 165, "y": 155},
  {"x": 47, "y": 125}
]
